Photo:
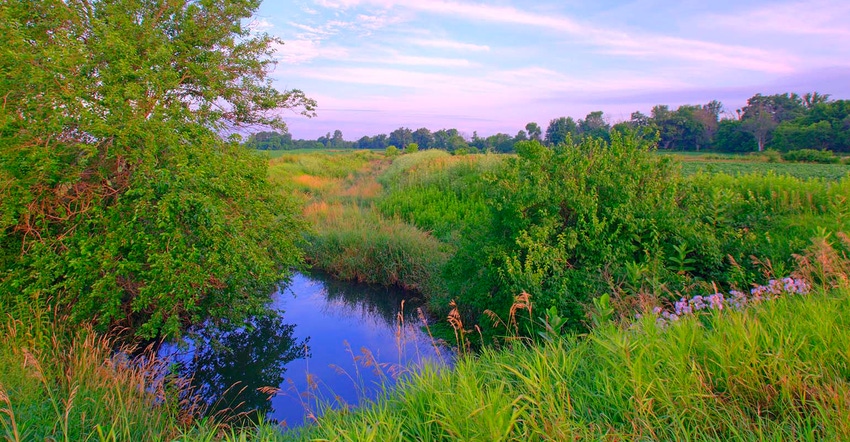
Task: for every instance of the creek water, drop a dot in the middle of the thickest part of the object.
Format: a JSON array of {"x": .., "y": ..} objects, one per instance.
[{"x": 335, "y": 343}]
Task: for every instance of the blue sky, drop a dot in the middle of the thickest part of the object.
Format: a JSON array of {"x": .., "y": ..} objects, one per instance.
[{"x": 376, "y": 65}]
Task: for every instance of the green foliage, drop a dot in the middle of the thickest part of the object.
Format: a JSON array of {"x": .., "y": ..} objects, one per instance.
[
  {"x": 561, "y": 215},
  {"x": 269, "y": 141},
  {"x": 411, "y": 148},
  {"x": 832, "y": 172},
  {"x": 811, "y": 156},
  {"x": 826, "y": 126},
  {"x": 120, "y": 202},
  {"x": 731, "y": 137},
  {"x": 392, "y": 151}
]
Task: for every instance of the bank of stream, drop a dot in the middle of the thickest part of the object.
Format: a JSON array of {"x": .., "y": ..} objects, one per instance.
[{"x": 335, "y": 343}]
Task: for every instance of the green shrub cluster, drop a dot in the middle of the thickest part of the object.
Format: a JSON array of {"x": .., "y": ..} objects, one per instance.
[
  {"x": 811, "y": 156},
  {"x": 567, "y": 223},
  {"x": 565, "y": 220}
]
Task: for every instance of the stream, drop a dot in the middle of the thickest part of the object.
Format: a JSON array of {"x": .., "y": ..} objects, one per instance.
[{"x": 336, "y": 343}]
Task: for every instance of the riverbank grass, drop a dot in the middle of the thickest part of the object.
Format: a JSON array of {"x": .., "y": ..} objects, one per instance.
[{"x": 774, "y": 372}]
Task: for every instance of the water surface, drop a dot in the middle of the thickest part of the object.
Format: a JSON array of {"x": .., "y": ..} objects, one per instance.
[{"x": 335, "y": 342}]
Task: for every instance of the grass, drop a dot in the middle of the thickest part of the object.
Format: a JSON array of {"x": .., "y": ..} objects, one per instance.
[
  {"x": 799, "y": 170},
  {"x": 357, "y": 243},
  {"x": 755, "y": 163},
  {"x": 71, "y": 385}
]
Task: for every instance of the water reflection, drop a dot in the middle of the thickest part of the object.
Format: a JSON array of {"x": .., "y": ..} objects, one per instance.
[
  {"x": 371, "y": 301},
  {"x": 231, "y": 370},
  {"x": 333, "y": 342}
]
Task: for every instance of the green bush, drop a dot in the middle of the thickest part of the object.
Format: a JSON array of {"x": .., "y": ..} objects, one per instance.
[
  {"x": 568, "y": 222},
  {"x": 811, "y": 156}
]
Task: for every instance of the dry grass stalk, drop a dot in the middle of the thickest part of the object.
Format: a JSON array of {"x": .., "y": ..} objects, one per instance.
[{"x": 826, "y": 263}]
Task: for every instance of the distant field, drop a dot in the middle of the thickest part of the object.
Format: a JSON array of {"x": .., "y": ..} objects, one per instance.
[
  {"x": 692, "y": 162},
  {"x": 799, "y": 170},
  {"x": 280, "y": 153}
]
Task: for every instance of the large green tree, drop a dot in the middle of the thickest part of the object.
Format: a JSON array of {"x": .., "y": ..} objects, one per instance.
[
  {"x": 119, "y": 200},
  {"x": 763, "y": 113},
  {"x": 560, "y": 130}
]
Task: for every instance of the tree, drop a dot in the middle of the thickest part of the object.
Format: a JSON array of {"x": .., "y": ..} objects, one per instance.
[
  {"x": 594, "y": 125},
  {"x": 764, "y": 112},
  {"x": 825, "y": 126},
  {"x": 269, "y": 141},
  {"x": 337, "y": 142},
  {"x": 520, "y": 136},
  {"x": 477, "y": 142},
  {"x": 534, "y": 131},
  {"x": 559, "y": 130},
  {"x": 812, "y": 99},
  {"x": 668, "y": 130},
  {"x": 731, "y": 137},
  {"x": 502, "y": 143},
  {"x": 401, "y": 137},
  {"x": 423, "y": 137},
  {"x": 120, "y": 201}
]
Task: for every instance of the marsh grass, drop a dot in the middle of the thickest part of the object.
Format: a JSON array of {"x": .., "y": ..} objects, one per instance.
[
  {"x": 350, "y": 238},
  {"x": 71, "y": 385}
]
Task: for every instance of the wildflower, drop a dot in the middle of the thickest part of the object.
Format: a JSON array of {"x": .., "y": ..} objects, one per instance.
[
  {"x": 683, "y": 307},
  {"x": 716, "y": 301},
  {"x": 698, "y": 303}
]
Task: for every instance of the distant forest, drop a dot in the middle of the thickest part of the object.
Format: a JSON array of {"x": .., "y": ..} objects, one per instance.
[{"x": 782, "y": 122}]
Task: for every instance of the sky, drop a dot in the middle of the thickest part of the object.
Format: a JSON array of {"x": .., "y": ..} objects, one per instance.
[{"x": 493, "y": 66}]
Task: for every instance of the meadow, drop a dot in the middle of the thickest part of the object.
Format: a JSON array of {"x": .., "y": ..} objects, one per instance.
[{"x": 542, "y": 274}]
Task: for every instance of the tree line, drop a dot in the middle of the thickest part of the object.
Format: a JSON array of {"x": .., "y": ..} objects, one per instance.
[{"x": 782, "y": 122}]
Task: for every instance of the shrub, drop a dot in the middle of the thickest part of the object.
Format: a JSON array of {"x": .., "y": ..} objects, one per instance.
[
  {"x": 568, "y": 220},
  {"x": 811, "y": 156}
]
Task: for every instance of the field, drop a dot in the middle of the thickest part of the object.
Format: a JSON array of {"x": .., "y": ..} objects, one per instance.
[{"x": 693, "y": 165}]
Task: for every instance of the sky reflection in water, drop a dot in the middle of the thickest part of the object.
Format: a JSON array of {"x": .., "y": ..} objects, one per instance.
[{"x": 320, "y": 349}]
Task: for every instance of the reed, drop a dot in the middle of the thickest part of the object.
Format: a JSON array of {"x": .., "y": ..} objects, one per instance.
[{"x": 70, "y": 385}]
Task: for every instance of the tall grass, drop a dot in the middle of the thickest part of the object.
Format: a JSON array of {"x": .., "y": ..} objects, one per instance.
[
  {"x": 359, "y": 244},
  {"x": 445, "y": 195},
  {"x": 72, "y": 385}
]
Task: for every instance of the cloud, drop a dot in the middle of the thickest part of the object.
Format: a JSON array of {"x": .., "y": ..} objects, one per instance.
[
  {"x": 607, "y": 41},
  {"x": 427, "y": 61},
  {"x": 825, "y": 18},
  {"x": 303, "y": 50},
  {"x": 449, "y": 44}
]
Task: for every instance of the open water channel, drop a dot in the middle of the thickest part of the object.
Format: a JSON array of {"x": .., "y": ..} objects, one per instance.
[{"x": 335, "y": 343}]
